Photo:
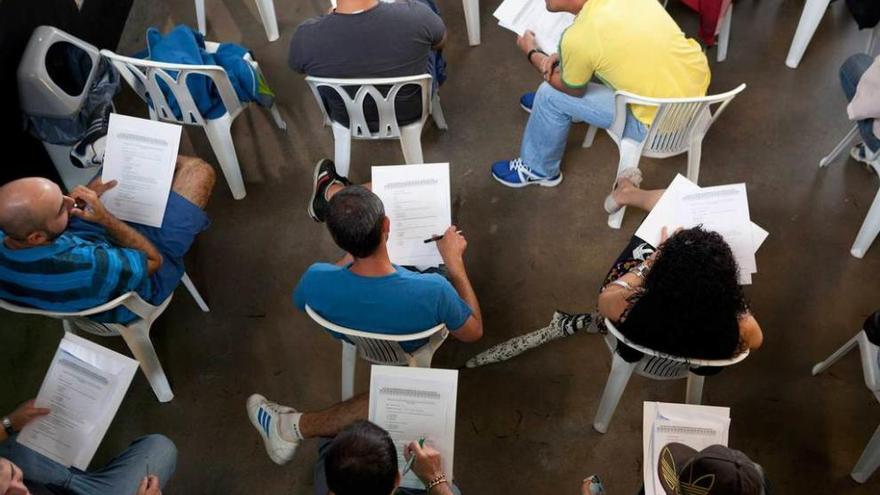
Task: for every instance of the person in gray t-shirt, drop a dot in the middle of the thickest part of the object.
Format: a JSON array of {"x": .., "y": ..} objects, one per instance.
[{"x": 369, "y": 38}]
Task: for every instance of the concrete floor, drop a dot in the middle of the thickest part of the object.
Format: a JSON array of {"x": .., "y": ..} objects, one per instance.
[{"x": 524, "y": 425}]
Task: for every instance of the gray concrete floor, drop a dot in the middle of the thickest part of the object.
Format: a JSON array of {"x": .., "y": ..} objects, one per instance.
[{"x": 524, "y": 425}]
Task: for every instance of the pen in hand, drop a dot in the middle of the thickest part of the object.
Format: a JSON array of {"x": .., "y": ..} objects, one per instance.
[
  {"x": 409, "y": 463},
  {"x": 435, "y": 238}
]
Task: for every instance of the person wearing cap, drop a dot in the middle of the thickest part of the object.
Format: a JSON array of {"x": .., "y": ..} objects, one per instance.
[{"x": 715, "y": 470}]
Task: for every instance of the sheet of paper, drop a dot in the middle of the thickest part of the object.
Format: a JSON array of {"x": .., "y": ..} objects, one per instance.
[
  {"x": 668, "y": 213},
  {"x": 83, "y": 389},
  {"x": 140, "y": 155},
  {"x": 417, "y": 200},
  {"x": 723, "y": 209},
  {"x": 521, "y": 15},
  {"x": 416, "y": 403},
  {"x": 695, "y": 426}
]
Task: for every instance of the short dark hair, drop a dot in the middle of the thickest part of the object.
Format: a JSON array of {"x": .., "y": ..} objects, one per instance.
[
  {"x": 355, "y": 220},
  {"x": 361, "y": 460}
]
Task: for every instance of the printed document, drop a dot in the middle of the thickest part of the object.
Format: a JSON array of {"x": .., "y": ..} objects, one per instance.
[
  {"x": 695, "y": 426},
  {"x": 723, "y": 209},
  {"x": 417, "y": 201},
  {"x": 522, "y": 15},
  {"x": 83, "y": 389},
  {"x": 414, "y": 404},
  {"x": 140, "y": 155}
]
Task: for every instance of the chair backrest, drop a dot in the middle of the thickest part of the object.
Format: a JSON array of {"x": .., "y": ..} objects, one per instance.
[
  {"x": 38, "y": 93},
  {"x": 130, "y": 300},
  {"x": 677, "y": 123},
  {"x": 376, "y": 347},
  {"x": 662, "y": 365},
  {"x": 354, "y": 105},
  {"x": 144, "y": 76}
]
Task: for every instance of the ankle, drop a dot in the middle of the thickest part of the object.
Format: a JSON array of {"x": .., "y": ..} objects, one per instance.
[{"x": 289, "y": 427}]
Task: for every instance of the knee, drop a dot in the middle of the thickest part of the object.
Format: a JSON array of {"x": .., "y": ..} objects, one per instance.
[
  {"x": 160, "y": 447},
  {"x": 198, "y": 171},
  {"x": 544, "y": 94}
]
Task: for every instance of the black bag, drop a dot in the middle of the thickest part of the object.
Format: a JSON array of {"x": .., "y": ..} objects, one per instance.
[{"x": 865, "y": 12}]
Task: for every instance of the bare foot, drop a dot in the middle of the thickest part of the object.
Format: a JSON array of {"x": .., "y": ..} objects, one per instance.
[
  {"x": 592, "y": 486},
  {"x": 622, "y": 190}
]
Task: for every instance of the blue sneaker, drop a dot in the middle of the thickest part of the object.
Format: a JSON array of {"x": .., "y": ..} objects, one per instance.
[
  {"x": 527, "y": 100},
  {"x": 515, "y": 173}
]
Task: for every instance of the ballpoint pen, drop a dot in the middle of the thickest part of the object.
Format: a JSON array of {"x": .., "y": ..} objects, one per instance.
[{"x": 409, "y": 463}]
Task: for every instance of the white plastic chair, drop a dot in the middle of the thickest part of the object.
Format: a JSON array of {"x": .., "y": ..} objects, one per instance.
[
  {"x": 812, "y": 14},
  {"x": 871, "y": 224},
  {"x": 679, "y": 126},
  {"x": 409, "y": 135},
  {"x": 654, "y": 365},
  {"x": 144, "y": 75},
  {"x": 266, "y": 8},
  {"x": 870, "y": 353},
  {"x": 381, "y": 348},
  {"x": 136, "y": 333}
]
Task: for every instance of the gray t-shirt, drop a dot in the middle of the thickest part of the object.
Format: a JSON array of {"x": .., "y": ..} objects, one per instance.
[{"x": 388, "y": 40}]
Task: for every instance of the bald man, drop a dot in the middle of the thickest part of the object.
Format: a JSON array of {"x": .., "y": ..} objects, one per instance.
[{"x": 68, "y": 253}]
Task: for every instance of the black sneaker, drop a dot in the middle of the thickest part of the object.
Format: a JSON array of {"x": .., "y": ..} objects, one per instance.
[{"x": 325, "y": 176}]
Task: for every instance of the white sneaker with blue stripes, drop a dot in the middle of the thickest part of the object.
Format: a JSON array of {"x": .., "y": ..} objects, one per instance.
[{"x": 266, "y": 418}]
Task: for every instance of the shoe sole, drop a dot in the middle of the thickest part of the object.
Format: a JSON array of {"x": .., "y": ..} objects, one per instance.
[
  {"x": 253, "y": 418},
  {"x": 311, "y": 208},
  {"x": 518, "y": 185}
]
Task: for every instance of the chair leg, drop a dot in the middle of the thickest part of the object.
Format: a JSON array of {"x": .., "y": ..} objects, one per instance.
[
  {"x": 472, "y": 20},
  {"x": 68, "y": 327},
  {"x": 437, "y": 113},
  {"x": 872, "y": 40},
  {"x": 810, "y": 18},
  {"x": 276, "y": 116},
  {"x": 824, "y": 365},
  {"x": 869, "y": 230},
  {"x": 694, "y": 389},
  {"x": 621, "y": 371},
  {"x": 724, "y": 34},
  {"x": 342, "y": 149},
  {"x": 200, "y": 15},
  {"x": 194, "y": 292},
  {"x": 591, "y": 135},
  {"x": 137, "y": 336},
  {"x": 266, "y": 9},
  {"x": 630, "y": 152},
  {"x": 411, "y": 142},
  {"x": 841, "y": 146},
  {"x": 694, "y": 155},
  {"x": 869, "y": 460},
  {"x": 219, "y": 133},
  {"x": 349, "y": 360}
]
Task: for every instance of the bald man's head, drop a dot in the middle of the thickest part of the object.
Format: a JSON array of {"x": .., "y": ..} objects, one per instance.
[{"x": 33, "y": 210}]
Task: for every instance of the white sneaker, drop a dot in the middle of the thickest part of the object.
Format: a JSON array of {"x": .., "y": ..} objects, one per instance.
[
  {"x": 860, "y": 153},
  {"x": 266, "y": 416}
]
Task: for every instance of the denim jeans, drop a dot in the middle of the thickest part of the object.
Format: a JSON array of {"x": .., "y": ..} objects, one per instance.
[
  {"x": 552, "y": 113},
  {"x": 850, "y": 73},
  {"x": 122, "y": 475}
]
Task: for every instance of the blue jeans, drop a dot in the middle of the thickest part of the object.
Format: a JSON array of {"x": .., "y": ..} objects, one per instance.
[
  {"x": 552, "y": 112},
  {"x": 121, "y": 476},
  {"x": 850, "y": 73}
]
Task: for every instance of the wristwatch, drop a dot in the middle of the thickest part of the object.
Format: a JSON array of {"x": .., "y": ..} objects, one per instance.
[{"x": 7, "y": 425}]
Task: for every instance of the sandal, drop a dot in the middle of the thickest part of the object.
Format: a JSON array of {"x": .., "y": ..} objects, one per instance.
[{"x": 633, "y": 175}]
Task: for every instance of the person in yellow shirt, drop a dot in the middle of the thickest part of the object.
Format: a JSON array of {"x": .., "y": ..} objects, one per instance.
[{"x": 629, "y": 45}]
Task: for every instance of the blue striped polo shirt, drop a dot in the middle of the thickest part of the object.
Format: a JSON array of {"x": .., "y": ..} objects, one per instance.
[{"x": 78, "y": 271}]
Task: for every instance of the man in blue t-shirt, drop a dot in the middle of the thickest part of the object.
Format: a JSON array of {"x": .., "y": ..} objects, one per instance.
[
  {"x": 365, "y": 291},
  {"x": 68, "y": 253}
]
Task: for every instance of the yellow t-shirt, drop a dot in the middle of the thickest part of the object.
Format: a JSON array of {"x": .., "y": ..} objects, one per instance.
[{"x": 635, "y": 46}]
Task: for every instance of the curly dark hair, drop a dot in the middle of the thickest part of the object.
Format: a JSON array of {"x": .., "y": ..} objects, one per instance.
[{"x": 692, "y": 300}]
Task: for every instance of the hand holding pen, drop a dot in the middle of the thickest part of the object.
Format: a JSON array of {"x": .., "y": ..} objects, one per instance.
[{"x": 451, "y": 246}]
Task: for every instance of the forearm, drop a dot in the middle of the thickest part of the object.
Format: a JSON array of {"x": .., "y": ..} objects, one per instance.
[
  {"x": 554, "y": 76},
  {"x": 441, "y": 489},
  {"x": 459, "y": 278},
  {"x": 127, "y": 237}
]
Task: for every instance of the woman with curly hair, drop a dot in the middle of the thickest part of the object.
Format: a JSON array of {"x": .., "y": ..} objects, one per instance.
[{"x": 681, "y": 298}]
